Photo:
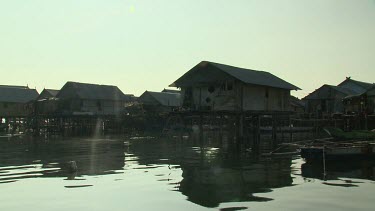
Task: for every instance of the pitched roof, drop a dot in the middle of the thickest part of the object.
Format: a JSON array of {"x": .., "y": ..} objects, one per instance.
[
  {"x": 16, "y": 94},
  {"x": 48, "y": 93},
  {"x": 362, "y": 84},
  {"x": 12, "y": 86},
  {"x": 90, "y": 91},
  {"x": 248, "y": 76},
  {"x": 52, "y": 92},
  {"x": 344, "y": 90},
  {"x": 166, "y": 98},
  {"x": 171, "y": 91},
  {"x": 323, "y": 93}
]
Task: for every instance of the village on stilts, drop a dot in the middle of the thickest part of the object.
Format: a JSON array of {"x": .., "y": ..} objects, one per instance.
[{"x": 255, "y": 107}]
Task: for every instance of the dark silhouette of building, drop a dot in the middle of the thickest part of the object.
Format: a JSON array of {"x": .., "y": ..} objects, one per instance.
[{"x": 219, "y": 87}]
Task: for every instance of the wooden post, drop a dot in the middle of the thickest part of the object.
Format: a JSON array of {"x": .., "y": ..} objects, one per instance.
[
  {"x": 256, "y": 144},
  {"x": 241, "y": 125},
  {"x": 274, "y": 132},
  {"x": 290, "y": 130},
  {"x": 201, "y": 129}
]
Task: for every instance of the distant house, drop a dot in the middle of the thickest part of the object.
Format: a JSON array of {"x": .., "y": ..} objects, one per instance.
[
  {"x": 358, "y": 87},
  {"x": 160, "y": 101},
  {"x": 15, "y": 101},
  {"x": 358, "y": 102},
  {"x": 361, "y": 103},
  {"x": 370, "y": 100},
  {"x": 346, "y": 97},
  {"x": 48, "y": 93},
  {"x": 297, "y": 105},
  {"x": 90, "y": 99},
  {"x": 217, "y": 87},
  {"x": 47, "y": 103},
  {"x": 327, "y": 100}
]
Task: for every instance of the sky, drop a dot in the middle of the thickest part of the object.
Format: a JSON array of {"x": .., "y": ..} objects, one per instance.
[{"x": 141, "y": 45}]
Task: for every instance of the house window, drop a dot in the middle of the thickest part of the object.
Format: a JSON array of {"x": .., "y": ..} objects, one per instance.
[
  {"x": 266, "y": 93},
  {"x": 5, "y": 105}
]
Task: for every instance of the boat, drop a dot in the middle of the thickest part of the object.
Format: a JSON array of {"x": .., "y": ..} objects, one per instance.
[{"x": 338, "y": 151}]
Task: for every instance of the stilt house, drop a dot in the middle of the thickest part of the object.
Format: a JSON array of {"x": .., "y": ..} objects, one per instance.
[
  {"x": 347, "y": 97},
  {"x": 15, "y": 101},
  {"x": 160, "y": 102},
  {"x": 327, "y": 100},
  {"x": 90, "y": 99},
  {"x": 361, "y": 101},
  {"x": 47, "y": 103},
  {"x": 211, "y": 86},
  {"x": 48, "y": 94}
]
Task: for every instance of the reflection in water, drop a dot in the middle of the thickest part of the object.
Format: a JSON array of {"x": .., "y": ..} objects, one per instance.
[
  {"x": 233, "y": 180},
  {"x": 28, "y": 158},
  {"x": 211, "y": 175},
  {"x": 208, "y": 172}
]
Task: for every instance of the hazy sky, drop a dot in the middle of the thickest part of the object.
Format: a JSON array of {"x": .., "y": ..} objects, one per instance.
[{"x": 143, "y": 45}]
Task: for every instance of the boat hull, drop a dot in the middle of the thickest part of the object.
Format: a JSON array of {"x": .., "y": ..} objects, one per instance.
[{"x": 338, "y": 152}]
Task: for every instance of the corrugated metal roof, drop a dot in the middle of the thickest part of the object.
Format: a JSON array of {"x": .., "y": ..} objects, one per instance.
[
  {"x": 344, "y": 90},
  {"x": 324, "y": 92},
  {"x": 362, "y": 84},
  {"x": 16, "y": 94},
  {"x": 166, "y": 98},
  {"x": 248, "y": 76},
  {"x": 91, "y": 92}
]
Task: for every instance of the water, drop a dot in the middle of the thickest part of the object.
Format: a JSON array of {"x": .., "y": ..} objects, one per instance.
[{"x": 135, "y": 173}]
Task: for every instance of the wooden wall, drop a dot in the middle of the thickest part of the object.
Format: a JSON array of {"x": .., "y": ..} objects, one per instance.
[
  {"x": 15, "y": 109},
  {"x": 237, "y": 96}
]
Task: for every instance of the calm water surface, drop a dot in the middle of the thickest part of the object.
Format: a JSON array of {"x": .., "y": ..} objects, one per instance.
[{"x": 147, "y": 173}]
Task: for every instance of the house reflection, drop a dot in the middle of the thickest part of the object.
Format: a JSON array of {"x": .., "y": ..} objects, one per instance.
[
  {"x": 213, "y": 174},
  {"x": 231, "y": 180},
  {"x": 25, "y": 158}
]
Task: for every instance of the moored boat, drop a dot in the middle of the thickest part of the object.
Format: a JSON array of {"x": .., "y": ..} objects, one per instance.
[{"x": 355, "y": 150}]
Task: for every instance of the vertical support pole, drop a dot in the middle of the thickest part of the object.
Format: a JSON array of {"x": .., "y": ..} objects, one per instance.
[
  {"x": 241, "y": 125},
  {"x": 256, "y": 144},
  {"x": 201, "y": 129},
  {"x": 274, "y": 132},
  {"x": 290, "y": 130}
]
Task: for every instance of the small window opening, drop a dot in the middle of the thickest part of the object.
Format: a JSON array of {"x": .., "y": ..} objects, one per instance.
[{"x": 211, "y": 89}]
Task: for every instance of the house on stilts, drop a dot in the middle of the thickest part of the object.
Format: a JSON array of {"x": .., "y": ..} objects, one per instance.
[
  {"x": 90, "y": 99},
  {"x": 328, "y": 100},
  {"x": 160, "y": 102},
  {"x": 212, "y": 86},
  {"x": 16, "y": 106}
]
